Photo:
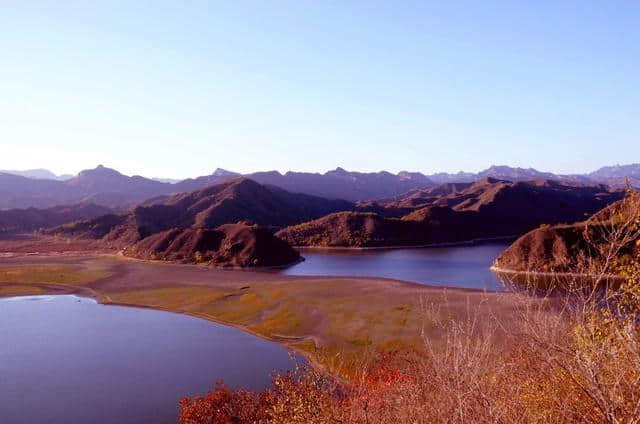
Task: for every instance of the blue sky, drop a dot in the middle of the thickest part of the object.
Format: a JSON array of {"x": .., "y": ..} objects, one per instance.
[{"x": 163, "y": 89}]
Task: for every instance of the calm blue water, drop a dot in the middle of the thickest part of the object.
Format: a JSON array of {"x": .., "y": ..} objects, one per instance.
[
  {"x": 466, "y": 266},
  {"x": 65, "y": 359}
]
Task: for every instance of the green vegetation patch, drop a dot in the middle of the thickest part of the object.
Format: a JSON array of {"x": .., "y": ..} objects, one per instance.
[
  {"x": 51, "y": 274},
  {"x": 284, "y": 320},
  {"x": 179, "y": 299},
  {"x": 22, "y": 290},
  {"x": 240, "y": 307}
]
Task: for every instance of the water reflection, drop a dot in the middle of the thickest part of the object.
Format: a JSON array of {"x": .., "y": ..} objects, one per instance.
[{"x": 65, "y": 359}]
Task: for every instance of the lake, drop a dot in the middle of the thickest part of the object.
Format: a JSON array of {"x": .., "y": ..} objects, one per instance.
[
  {"x": 460, "y": 266},
  {"x": 66, "y": 359}
]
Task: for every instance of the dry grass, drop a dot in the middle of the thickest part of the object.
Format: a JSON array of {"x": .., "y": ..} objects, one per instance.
[
  {"x": 333, "y": 325},
  {"x": 550, "y": 365},
  {"x": 22, "y": 290},
  {"x": 181, "y": 299},
  {"x": 51, "y": 274},
  {"x": 556, "y": 367}
]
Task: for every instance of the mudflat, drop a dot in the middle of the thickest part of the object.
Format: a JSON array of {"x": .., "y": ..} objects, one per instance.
[{"x": 333, "y": 321}]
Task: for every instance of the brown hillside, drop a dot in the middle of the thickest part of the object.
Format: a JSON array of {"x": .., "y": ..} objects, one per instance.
[
  {"x": 241, "y": 245},
  {"x": 518, "y": 201},
  {"x": 93, "y": 229},
  {"x": 347, "y": 229},
  {"x": 560, "y": 248},
  {"x": 176, "y": 227},
  {"x": 485, "y": 209},
  {"x": 25, "y": 220},
  {"x": 232, "y": 201}
]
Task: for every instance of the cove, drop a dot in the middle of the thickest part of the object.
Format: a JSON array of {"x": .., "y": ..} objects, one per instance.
[
  {"x": 67, "y": 359},
  {"x": 459, "y": 266}
]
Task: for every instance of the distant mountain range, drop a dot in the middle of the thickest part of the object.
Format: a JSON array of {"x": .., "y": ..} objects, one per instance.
[
  {"x": 108, "y": 187},
  {"x": 602, "y": 175},
  {"x": 609, "y": 175},
  {"x": 41, "y": 174},
  {"x": 26, "y": 220}
]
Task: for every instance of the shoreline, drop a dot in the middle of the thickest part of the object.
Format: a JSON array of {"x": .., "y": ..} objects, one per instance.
[
  {"x": 284, "y": 341},
  {"x": 105, "y": 300},
  {"x": 301, "y": 321},
  {"x": 500, "y": 270},
  {"x": 472, "y": 242},
  {"x": 246, "y": 270}
]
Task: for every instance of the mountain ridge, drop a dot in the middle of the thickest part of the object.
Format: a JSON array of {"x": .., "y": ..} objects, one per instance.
[
  {"x": 110, "y": 188},
  {"x": 226, "y": 224}
]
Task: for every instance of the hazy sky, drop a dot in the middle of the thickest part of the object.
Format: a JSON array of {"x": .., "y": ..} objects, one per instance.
[{"x": 164, "y": 89}]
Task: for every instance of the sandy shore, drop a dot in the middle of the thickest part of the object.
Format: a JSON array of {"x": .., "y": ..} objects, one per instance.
[{"x": 326, "y": 319}]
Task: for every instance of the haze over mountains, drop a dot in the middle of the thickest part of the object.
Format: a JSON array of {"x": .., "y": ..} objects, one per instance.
[
  {"x": 25, "y": 220},
  {"x": 108, "y": 187},
  {"x": 43, "y": 174}
]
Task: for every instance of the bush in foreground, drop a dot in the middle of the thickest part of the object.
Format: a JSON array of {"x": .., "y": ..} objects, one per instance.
[{"x": 585, "y": 369}]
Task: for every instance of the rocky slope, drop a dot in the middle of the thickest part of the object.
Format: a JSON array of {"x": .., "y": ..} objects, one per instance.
[
  {"x": 241, "y": 245},
  {"x": 485, "y": 209},
  {"x": 351, "y": 229},
  {"x": 218, "y": 223},
  {"x": 234, "y": 200},
  {"x": 562, "y": 248},
  {"x": 25, "y": 220}
]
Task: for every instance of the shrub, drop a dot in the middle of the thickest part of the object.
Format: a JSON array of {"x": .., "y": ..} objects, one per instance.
[
  {"x": 558, "y": 367},
  {"x": 198, "y": 257}
]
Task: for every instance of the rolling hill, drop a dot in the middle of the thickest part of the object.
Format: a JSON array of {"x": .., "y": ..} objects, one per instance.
[
  {"x": 559, "y": 248},
  {"x": 485, "y": 209},
  {"x": 226, "y": 224},
  {"x": 25, "y": 220}
]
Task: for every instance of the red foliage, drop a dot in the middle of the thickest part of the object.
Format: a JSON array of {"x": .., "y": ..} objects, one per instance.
[
  {"x": 299, "y": 397},
  {"x": 223, "y": 406}
]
